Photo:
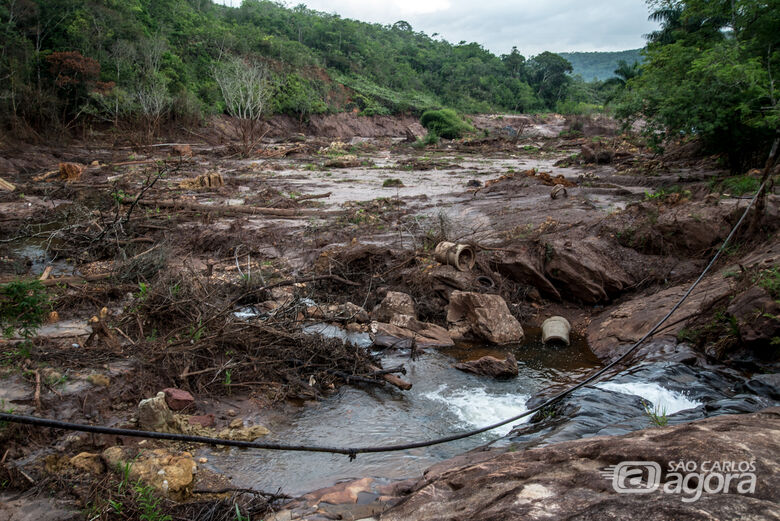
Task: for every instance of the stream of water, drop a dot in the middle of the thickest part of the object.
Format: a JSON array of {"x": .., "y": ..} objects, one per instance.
[{"x": 442, "y": 401}]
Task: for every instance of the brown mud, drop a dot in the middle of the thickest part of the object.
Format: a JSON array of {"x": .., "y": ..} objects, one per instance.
[{"x": 194, "y": 268}]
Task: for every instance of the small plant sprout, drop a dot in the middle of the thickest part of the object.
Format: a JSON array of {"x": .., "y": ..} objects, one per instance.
[{"x": 656, "y": 414}]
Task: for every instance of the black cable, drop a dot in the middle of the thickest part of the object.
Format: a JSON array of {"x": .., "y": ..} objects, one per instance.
[{"x": 352, "y": 452}]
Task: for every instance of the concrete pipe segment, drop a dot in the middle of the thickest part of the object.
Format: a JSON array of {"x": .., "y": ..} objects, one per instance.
[
  {"x": 460, "y": 256},
  {"x": 556, "y": 329}
]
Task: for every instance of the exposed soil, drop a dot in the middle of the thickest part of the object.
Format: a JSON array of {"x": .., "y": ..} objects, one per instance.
[{"x": 197, "y": 268}]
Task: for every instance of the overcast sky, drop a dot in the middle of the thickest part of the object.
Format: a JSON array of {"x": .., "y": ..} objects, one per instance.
[{"x": 532, "y": 25}]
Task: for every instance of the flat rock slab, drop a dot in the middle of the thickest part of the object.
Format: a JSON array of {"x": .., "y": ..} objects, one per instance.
[{"x": 566, "y": 481}]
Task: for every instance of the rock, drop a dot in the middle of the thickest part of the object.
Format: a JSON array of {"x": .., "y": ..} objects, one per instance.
[
  {"x": 585, "y": 270},
  {"x": 446, "y": 279},
  {"x": 35, "y": 509},
  {"x": 71, "y": 171},
  {"x": 170, "y": 474},
  {"x": 491, "y": 366},
  {"x": 346, "y": 492},
  {"x": 204, "y": 420},
  {"x": 767, "y": 385},
  {"x": 412, "y": 135},
  {"x": 565, "y": 480},
  {"x": 237, "y": 431},
  {"x": 484, "y": 316},
  {"x": 154, "y": 414},
  {"x": 394, "y": 303},
  {"x": 525, "y": 266},
  {"x": 757, "y": 315},
  {"x": 596, "y": 153},
  {"x": 178, "y": 399},
  {"x": 401, "y": 336},
  {"x": 88, "y": 462},
  {"x": 181, "y": 150}
]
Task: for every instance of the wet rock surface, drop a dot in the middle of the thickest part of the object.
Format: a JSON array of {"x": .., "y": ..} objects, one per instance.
[
  {"x": 565, "y": 480},
  {"x": 483, "y": 316},
  {"x": 491, "y": 366}
]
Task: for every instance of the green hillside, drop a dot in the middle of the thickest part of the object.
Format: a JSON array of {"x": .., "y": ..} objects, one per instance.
[
  {"x": 112, "y": 61},
  {"x": 599, "y": 65}
]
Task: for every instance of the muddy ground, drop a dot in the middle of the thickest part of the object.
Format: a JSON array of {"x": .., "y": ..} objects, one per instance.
[{"x": 188, "y": 266}]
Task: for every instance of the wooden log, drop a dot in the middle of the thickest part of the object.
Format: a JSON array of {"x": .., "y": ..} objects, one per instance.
[
  {"x": 393, "y": 379},
  {"x": 5, "y": 185},
  {"x": 46, "y": 273},
  {"x": 243, "y": 210}
]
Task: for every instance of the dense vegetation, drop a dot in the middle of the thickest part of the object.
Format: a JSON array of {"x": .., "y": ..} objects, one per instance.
[
  {"x": 599, "y": 65},
  {"x": 708, "y": 73},
  {"x": 145, "y": 61}
]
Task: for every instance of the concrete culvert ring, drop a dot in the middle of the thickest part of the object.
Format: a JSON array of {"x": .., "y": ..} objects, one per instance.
[{"x": 486, "y": 282}]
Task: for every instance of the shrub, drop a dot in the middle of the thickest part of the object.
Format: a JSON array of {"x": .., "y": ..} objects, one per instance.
[
  {"x": 23, "y": 307},
  {"x": 445, "y": 123}
]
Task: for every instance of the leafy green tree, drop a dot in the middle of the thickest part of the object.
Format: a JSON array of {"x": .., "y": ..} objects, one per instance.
[
  {"x": 548, "y": 74},
  {"x": 708, "y": 74}
]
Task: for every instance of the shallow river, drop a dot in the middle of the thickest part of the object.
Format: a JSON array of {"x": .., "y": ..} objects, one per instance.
[{"x": 442, "y": 401}]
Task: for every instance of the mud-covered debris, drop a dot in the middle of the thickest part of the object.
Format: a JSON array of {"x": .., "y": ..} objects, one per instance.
[
  {"x": 71, "y": 171},
  {"x": 181, "y": 150},
  {"x": 558, "y": 191},
  {"x": 406, "y": 332},
  {"x": 88, "y": 462},
  {"x": 596, "y": 153},
  {"x": 213, "y": 180},
  {"x": 169, "y": 473}
]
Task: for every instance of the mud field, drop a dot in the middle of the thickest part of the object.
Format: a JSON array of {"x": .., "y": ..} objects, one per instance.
[{"x": 292, "y": 295}]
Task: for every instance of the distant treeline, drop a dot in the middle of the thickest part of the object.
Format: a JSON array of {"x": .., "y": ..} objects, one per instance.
[{"x": 64, "y": 62}]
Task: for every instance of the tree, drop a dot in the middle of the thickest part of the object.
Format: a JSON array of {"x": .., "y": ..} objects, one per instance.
[
  {"x": 548, "y": 75},
  {"x": 708, "y": 75},
  {"x": 245, "y": 89}
]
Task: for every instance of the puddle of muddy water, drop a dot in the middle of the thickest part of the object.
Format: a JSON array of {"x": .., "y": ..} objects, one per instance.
[{"x": 442, "y": 401}]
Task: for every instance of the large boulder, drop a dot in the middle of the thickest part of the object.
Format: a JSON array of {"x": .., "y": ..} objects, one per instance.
[
  {"x": 483, "y": 316},
  {"x": 491, "y": 366},
  {"x": 394, "y": 303},
  {"x": 757, "y": 315},
  {"x": 525, "y": 266},
  {"x": 567, "y": 480},
  {"x": 585, "y": 270}
]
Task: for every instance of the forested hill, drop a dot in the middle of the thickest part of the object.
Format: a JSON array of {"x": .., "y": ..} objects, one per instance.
[
  {"x": 115, "y": 59},
  {"x": 599, "y": 65}
]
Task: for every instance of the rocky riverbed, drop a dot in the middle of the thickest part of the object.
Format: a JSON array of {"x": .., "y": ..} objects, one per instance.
[{"x": 295, "y": 294}]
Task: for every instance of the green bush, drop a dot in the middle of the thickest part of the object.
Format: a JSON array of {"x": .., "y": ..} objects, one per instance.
[
  {"x": 23, "y": 308},
  {"x": 445, "y": 123}
]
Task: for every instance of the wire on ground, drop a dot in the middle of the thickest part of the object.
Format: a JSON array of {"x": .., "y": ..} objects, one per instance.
[{"x": 352, "y": 452}]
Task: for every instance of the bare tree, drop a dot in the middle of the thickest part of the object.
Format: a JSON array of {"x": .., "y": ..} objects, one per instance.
[
  {"x": 154, "y": 101},
  {"x": 245, "y": 88}
]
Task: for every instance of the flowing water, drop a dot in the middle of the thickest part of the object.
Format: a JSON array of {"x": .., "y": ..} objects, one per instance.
[{"x": 442, "y": 401}]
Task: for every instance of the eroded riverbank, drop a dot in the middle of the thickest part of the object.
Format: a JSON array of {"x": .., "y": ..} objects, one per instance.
[{"x": 320, "y": 231}]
